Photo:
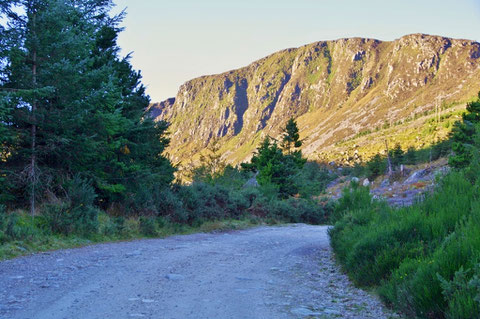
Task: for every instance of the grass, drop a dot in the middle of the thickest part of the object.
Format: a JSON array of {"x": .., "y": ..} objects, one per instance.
[
  {"x": 420, "y": 132},
  {"x": 39, "y": 241}
]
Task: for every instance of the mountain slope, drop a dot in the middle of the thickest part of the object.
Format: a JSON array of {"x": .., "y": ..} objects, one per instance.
[{"x": 335, "y": 90}]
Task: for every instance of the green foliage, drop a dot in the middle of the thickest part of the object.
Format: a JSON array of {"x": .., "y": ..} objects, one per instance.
[
  {"x": 64, "y": 219},
  {"x": 211, "y": 166},
  {"x": 276, "y": 168},
  {"x": 85, "y": 103},
  {"x": 291, "y": 136},
  {"x": 397, "y": 156},
  {"x": 148, "y": 226},
  {"x": 424, "y": 259},
  {"x": 353, "y": 198},
  {"x": 312, "y": 179},
  {"x": 411, "y": 156},
  {"x": 14, "y": 227},
  {"x": 462, "y": 136},
  {"x": 376, "y": 166},
  {"x": 463, "y": 293}
]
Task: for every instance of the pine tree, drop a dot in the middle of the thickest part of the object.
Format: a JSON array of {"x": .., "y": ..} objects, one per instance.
[
  {"x": 397, "y": 155},
  {"x": 462, "y": 136},
  {"x": 411, "y": 156},
  {"x": 276, "y": 165},
  {"x": 291, "y": 136},
  {"x": 376, "y": 166},
  {"x": 76, "y": 107}
]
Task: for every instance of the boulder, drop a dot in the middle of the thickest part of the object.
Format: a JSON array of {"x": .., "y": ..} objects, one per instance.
[
  {"x": 366, "y": 182},
  {"x": 385, "y": 183}
]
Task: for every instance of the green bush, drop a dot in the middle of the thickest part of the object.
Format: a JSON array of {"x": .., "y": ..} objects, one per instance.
[
  {"x": 353, "y": 198},
  {"x": 148, "y": 226},
  {"x": 423, "y": 257},
  {"x": 312, "y": 179},
  {"x": 15, "y": 226},
  {"x": 313, "y": 212},
  {"x": 107, "y": 226},
  {"x": 168, "y": 204},
  {"x": 75, "y": 215},
  {"x": 64, "y": 219},
  {"x": 411, "y": 156},
  {"x": 3, "y": 218},
  {"x": 376, "y": 166},
  {"x": 463, "y": 293}
]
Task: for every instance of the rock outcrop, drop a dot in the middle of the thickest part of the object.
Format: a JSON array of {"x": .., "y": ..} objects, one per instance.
[{"x": 335, "y": 89}]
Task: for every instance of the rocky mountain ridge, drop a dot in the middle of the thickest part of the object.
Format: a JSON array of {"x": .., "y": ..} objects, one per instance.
[{"x": 335, "y": 90}]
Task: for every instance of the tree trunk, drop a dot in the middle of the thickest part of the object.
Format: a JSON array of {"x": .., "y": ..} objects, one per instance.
[{"x": 34, "y": 126}]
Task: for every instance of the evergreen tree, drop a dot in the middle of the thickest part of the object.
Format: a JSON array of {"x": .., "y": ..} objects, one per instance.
[
  {"x": 411, "y": 156},
  {"x": 376, "y": 166},
  {"x": 212, "y": 166},
  {"x": 462, "y": 136},
  {"x": 76, "y": 107},
  {"x": 397, "y": 155},
  {"x": 291, "y": 137},
  {"x": 276, "y": 165}
]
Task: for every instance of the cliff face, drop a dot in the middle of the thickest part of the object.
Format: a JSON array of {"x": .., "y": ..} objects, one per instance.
[{"x": 335, "y": 89}]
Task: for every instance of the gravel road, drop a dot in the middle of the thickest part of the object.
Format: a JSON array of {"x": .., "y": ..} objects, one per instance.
[{"x": 264, "y": 272}]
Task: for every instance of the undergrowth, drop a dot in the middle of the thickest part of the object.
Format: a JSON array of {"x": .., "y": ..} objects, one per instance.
[{"x": 212, "y": 202}]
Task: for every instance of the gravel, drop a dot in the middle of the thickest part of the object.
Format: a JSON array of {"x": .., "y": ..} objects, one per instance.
[{"x": 264, "y": 272}]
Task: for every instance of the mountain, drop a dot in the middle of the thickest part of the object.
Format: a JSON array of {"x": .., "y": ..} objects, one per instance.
[{"x": 336, "y": 90}]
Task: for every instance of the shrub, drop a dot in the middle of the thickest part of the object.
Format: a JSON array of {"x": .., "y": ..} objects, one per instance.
[
  {"x": 168, "y": 204},
  {"x": 131, "y": 227},
  {"x": 312, "y": 212},
  {"x": 148, "y": 226},
  {"x": 353, "y": 198},
  {"x": 240, "y": 201},
  {"x": 312, "y": 179},
  {"x": 423, "y": 257},
  {"x": 75, "y": 215},
  {"x": 80, "y": 192},
  {"x": 106, "y": 226},
  {"x": 3, "y": 218},
  {"x": 411, "y": 156},
  {"x": 64, "y": 219},
  {"x": 376, "y": 166}
]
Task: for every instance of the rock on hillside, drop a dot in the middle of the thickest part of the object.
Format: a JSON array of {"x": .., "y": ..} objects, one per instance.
[{"x": 335, "y": 89}]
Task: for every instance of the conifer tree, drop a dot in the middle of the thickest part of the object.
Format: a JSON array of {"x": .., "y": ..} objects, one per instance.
[
  {"x": 463, "y": 136},
  {"x": 74, "y": 105},
  {"x": 291, "y": 136},
  {"x": 278, "y": 165}
]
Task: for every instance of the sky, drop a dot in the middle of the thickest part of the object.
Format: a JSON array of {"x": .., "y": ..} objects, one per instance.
[{"x": 173, "y": 41}]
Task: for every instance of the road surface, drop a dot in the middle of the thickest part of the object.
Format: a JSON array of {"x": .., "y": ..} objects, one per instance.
[{"x": 263, "y": 272}]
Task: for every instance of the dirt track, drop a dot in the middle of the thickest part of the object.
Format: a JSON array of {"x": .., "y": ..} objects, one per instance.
[{"x": 265, "y": 272}]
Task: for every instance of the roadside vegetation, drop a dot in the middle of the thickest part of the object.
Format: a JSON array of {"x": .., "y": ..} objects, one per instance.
[{"x": 424, "y": 260}]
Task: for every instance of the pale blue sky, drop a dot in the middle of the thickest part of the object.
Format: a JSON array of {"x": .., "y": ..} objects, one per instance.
[{"x": 176, "y": 40}]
